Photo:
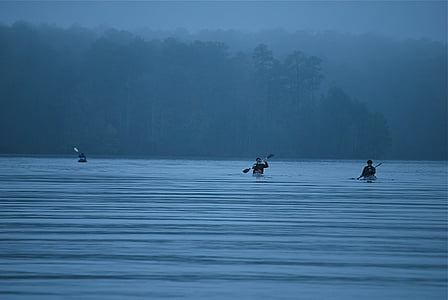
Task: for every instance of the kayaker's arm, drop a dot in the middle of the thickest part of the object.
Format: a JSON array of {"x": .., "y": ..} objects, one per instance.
[{"x": 364, "y": 172}]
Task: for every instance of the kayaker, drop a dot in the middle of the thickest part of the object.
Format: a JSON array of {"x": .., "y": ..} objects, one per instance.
[
  {"x": 368, "y": 170},
  {"x": 259, "y": 166},
  {"x": 82, "y": 157}
]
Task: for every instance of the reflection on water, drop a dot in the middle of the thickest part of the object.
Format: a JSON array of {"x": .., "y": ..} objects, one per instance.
[{"x": 198, "y": 229}]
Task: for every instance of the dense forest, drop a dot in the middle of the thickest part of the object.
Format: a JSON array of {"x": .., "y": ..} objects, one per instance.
[{"x": 114, "y": 92}]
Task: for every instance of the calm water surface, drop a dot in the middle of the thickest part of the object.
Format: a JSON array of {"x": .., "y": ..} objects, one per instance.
[{"x": 201, "y": 229}]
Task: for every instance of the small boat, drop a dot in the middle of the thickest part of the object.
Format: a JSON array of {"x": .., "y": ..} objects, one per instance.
[
  {"x": 82, "y": 160},
  {"x": 257, "y": 174},
  {"x": 369, "y": 178}
]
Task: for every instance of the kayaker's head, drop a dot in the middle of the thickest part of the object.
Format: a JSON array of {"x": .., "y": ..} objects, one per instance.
[
  {"x": 369, "y": 162},
  {"x": 258, "y": 160}
]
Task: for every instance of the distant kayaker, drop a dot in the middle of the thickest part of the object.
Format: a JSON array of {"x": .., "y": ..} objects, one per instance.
[
  {"x": 82, "y": 157},
  {"x": 259, "y": 166},
  {"x": 368, "y": 170}
]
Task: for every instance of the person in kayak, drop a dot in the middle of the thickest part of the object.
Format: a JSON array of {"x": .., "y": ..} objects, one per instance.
[
  {"x": 259, "y": 166},
  {"x": 368, "y": 170},
  {"x": 82, "y": 157}
]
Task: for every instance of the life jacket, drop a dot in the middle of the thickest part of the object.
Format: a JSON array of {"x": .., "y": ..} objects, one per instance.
[
  {"x": 259, "y": 168},
  {"x": 369, "y": 171}
]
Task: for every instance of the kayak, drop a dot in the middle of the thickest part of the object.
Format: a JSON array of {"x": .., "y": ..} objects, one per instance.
[
  {"x": 369, "y": 178},
  {"x": 82, "y": 160}
]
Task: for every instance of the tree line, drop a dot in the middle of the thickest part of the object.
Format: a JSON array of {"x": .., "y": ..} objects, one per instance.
[
  {"x": 116, "y": 93},
  {"x": 402, "y": 79}
]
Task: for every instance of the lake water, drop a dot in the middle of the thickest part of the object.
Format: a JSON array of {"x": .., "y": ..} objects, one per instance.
[{"x": 202, "y": 229}]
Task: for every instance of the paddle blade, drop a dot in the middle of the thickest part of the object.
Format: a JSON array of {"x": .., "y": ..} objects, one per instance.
[
  {"x": 270, "y": 155},
  {"x": 76, "y": 149},
  {"x": 246, "y": 170}
]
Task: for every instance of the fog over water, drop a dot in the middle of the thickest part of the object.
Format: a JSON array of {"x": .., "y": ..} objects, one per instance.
[
  {"x": 172, "y": 100},
  {"x": 309, "y": 79}
]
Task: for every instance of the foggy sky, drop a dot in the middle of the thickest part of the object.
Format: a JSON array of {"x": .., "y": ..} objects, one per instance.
[{"x": 402, "y": 19}]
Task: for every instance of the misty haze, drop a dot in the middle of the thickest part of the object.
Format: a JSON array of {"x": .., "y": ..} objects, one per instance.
[
  {"x": 218, "y": 92},
  {"x": 168, "y": 104}
]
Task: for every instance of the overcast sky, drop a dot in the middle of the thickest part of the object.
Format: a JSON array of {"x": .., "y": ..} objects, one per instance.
[{"x": 397, "y": 18}]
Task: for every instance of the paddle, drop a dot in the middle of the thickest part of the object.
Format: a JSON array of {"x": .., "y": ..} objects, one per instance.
[
  {"x": 375, "y": 168},
  {"x": 248, "y": 169}
]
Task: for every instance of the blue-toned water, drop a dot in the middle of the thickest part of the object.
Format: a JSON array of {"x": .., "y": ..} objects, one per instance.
[{"x": 202, "y": 229}]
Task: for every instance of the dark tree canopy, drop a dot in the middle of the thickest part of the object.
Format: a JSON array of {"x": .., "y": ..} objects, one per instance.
[{"x": 117, "y": 93}]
